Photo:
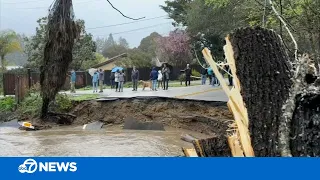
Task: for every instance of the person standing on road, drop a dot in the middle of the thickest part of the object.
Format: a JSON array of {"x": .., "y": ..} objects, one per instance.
[
  {"x": 101, "y": 80},
  {"x": 214, "y": 79},
  {"x": 95, "y": 79},
  {"x": 73, "y": 78},
  {"x": 160, "y": 79},
  {"x": 112, "y": 80},
  {"x": 121, "y": 81},
  {"x": 116, "y": 79},
  {"x": 165, "y": 76},
  {"x": 135, "y": 78},
  {"x": 228, "y": 69},
  {"x": 203, "y": 75},
  {"x": 188, "y": 72},
  {"x": 210, "y": 74},
  {"x": 154, "y": 78}
]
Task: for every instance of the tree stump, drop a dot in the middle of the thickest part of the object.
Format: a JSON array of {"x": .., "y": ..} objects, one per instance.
[{"x": 211, "y": 147}]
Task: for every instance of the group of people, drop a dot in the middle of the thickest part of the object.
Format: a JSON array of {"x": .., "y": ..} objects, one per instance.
[
  {"x": 98, "y": 79},
  {"x": 208, "y": 72},
  {"x": 160, "y": 77},
  {"x": 117, "y": 80}
]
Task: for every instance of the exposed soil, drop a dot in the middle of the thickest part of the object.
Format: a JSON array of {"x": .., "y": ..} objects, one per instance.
[{"x": 204, "y": 117}]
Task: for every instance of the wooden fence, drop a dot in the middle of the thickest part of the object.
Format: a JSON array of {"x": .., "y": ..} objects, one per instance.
[{"x": 25, "y": 81}]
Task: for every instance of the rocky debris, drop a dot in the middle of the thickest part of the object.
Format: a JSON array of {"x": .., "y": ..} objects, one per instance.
[{"x": 97, "y": 125}]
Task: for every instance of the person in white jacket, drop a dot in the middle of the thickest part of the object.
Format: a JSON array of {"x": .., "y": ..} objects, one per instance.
[
  {"x": 116, "y": 80},
  {"x": 160, "y": 79}
]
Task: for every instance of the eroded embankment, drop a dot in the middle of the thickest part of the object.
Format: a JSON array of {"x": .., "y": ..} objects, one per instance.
[{"x": 204, "y": 117}]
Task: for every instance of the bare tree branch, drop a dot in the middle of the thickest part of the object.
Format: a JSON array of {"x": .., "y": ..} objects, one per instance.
[
  {"x": 286, "y": 26},
  {"x": 122, "y": 13}
]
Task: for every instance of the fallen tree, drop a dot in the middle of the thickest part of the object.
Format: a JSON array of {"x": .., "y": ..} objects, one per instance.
[{"x": 281, "y": 107}]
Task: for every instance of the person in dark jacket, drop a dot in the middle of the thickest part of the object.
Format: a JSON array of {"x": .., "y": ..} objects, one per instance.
[
  {"x": 135, "y": 78},
  {"x": 228, "y": 69},
  {"x": 165, "y": 76},
  {"x": 154, "y": 78},
  {"x": 101, "y": 80},
  {"x": 112, "y": 80},
  {"x": 203, "y": 73},
  {"x": 188, "y": 73}
]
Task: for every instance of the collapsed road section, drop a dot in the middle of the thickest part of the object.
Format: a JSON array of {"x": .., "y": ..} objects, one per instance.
[{"x": 205, "y": 117}]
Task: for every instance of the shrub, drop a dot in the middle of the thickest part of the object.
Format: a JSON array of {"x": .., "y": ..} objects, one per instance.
[
  {"x": 7, "y": 104},
  {"x": 128, "y": 84},
  {"x": 30, "y": 106},
  {"x": 182, "y": 77},
  {"x": 195, "y": 73},
  {"x": 63, "y": 103},
  {"x": 35, "y": 88}
]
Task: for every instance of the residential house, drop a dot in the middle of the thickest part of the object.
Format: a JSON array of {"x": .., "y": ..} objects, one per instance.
[{"x": 110, "y": 63}]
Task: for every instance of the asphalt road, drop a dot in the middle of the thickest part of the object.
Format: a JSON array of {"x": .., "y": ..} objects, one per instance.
[{"x": 200, "y": 92}]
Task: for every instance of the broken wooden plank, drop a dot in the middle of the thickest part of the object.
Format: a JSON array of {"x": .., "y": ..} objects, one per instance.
[{"x": 189, "y": 152}]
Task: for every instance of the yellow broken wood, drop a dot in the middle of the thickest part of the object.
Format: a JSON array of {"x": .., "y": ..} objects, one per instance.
[
  {"x": 235, "y": 146},
  {"x": 240, "y": 141},
  {"x": 189, "y": 152},
  {"x": 197, "y": 144}
]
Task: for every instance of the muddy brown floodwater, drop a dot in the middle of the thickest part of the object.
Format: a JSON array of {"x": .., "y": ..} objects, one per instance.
[
  {"x": 180, "y": 117},
  {"x": 109, "y": 141}
]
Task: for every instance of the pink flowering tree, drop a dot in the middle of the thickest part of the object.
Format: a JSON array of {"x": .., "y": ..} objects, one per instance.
[{"x": 175, "y": 48}]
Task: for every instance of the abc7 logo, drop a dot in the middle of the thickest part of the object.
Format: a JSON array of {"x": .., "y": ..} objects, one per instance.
[{"x": 29, "y": 166}]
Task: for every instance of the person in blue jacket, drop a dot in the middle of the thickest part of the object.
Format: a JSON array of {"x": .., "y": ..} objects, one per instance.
[
  {"x": 73, "y": 81},
  {"x": 95, "y": 79},
  {"x": 154, "y": 78}
]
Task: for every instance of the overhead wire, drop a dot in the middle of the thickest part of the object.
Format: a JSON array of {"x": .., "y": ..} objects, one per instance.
[
  {"x": 123, "y": 14},
  {"x": 46, "y": 7},
  {"x": 120, "y": 24},
  {"x": 133, "y": 30}
]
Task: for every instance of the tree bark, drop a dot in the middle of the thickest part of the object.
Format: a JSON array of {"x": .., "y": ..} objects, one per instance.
[
  {"x": 283, "y": 109},
  {"x": 62, "y": 31},
  {"x": 45, "y": 107},
  {"x": 3, "y": 67},
  {"x": 264, "y": 72},
  {"x": 212, "y": 147}
]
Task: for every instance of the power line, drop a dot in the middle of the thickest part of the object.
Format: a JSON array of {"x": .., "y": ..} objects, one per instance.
[
  {"x": 123, "y": 14},
  {"x": 26, "y": 2},
  {"x": 132, "y": 30},
  {"x": 46, "y": 7},
  {"x": 23, "y": 2},
  {"x": 127, "y": 23},
  {"x": 147, "y": 27}
]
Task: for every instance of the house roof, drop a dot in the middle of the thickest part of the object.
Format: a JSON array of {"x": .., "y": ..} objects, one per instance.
[{"x": 113, "y": 59}]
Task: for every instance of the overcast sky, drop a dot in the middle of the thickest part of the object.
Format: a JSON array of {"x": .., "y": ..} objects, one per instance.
[{"x": 21, "y": 16}]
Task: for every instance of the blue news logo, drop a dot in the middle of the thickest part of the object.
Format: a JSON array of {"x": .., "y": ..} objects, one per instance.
[{"x": 30, "y": 166}]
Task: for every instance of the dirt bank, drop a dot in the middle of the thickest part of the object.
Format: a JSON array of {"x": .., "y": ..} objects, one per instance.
[{"x": 204, "y": 117}]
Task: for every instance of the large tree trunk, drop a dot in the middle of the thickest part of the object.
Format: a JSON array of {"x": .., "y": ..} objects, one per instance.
[
  {"x": 305, "y": 131},
  {"x": 283, "y": 109},
  {"x": 264, "y": 72},
  {"x": 61, "y": 34}
]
